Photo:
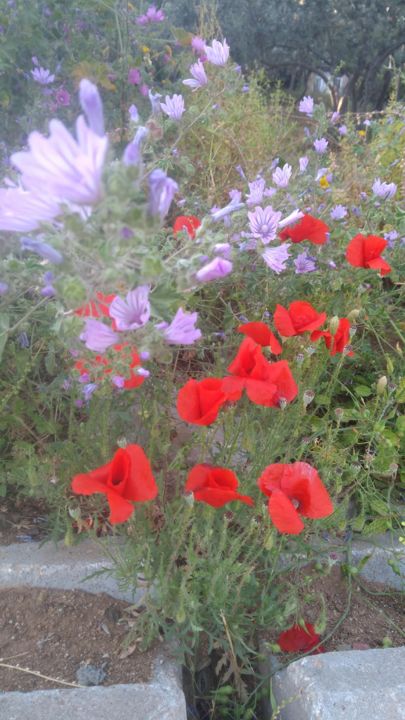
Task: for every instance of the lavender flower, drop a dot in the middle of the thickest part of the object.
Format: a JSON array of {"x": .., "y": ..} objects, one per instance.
[
  {"x": 304, "y": 263},
  {"x": 97, "y": 336},
  {"x": 277, "y": 257},
  {"x": 234, "y": 205},
  {"x": 338, "y": 212},
  {"x": 92, "y": 106},
  {"x": 335, "y": 117},
  {"x": 384, "y": 190},
  {"x": 42, "y": 76},
  {"x": 132, "y": 313},
  {"x": 47, "y": 252},
  {"x": 4, "y": 288},
  {"x": 321, "y": 146},
  {"x": 390, "y": 236},
  {"x": 173, "y": 107},
  {"x": 132, "y": 153},
  {"x": 182, "y": 330},
  {"x": 303, "y": 161},
  {"x": 48, "y": 290},
  {"x": 281, "y": 176},
  {"x": 152, "y": 15},
  {"x": 199, "y": 78},
  {"x": 342, "y": 130},
  {"x": 61, "y": 167},
  {"x": 217, "y": 53},
  {"x": 306, "y": 105},
  {"x": 162, "y": 190},
  {"x": 256, "y": 190},
  {"x": 263, "y": 223},
  {"x": 23, "y": 211},
  {"x": 217, "y": 268}
]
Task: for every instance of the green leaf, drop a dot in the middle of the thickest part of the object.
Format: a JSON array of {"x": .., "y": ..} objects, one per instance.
[
  {"x": 4, "y": 327},
  {"x": 363, "y": 390}
]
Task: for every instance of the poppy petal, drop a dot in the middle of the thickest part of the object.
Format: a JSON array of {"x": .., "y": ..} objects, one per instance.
[
  {"x": 283, "y": 322},
  {"x": 199, "y": 402},
  {"x": 284, "y": 514},
  {"x": 379, "y": 264},
  {"x": 262, "y": 335},
  {"x": 120, "y": 508},
  {"x": 299, "y": 639},
  {"x": 140, "y": 485}
]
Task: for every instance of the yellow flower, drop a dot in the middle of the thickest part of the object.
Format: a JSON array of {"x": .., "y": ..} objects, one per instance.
[
  {"x": 362, "y": 133},
  {"x": 145, "y": 49},
  {"x": 324, "y": 182}
]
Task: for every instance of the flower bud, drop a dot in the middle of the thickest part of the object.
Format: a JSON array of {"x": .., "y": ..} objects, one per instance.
[
  {"x": 92, "y": 106},
  {"x": 307, "y": 397},
  {"x": 354, "y": 314},
  {"x": 334, "y": 324},
  {"x": 381, "y": 385}
]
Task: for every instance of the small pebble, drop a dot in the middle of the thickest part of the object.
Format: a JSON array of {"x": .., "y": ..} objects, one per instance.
[
  {"x": 90, "y": 675},
  {"x": 360, "y": 646}
]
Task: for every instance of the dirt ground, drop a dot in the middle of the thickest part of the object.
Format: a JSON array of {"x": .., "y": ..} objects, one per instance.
[
  {"x": 375, "y": 612},
  {"x": 56, "y": 631},
  {"x": 22, "y": 520}
]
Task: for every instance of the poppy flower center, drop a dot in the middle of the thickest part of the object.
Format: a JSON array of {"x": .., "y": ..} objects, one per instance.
[{"x": 295, "y": 502}]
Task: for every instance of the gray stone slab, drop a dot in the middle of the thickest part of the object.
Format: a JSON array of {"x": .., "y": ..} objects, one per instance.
[
  {"x": 117, "y": 702},
  {"x": 65, "y": 568},
  {"x": 383, "y": 550},
  {"x": 355, "y": 685}
]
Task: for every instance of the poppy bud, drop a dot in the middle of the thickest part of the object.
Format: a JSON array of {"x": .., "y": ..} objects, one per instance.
[
  {"x": 334, "y": 324},
  {"x": 381, "y": 385},
  {"x": 399, "y": 349},
  {"x": 354, "y": 314},
  {"x": 308, "y": 397},
  {"x": 390, "y": 366}
]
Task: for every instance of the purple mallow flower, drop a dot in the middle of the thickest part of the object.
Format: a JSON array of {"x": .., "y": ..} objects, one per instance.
[
  {"x": 321, "y": 145},
  {"x": 154, "y": 99},
  {"x": 97, "y": 336},
  {"x": 47, "y": 252},
  {"x": 152, "y": 15},
  {"x": 391, "y": 236},
  {"x": 132, "y": 313},
  {"x": 304, "y": 263},
  {"x": 256, "y": 190},
  {"x": 198, "y": 45},
  {"x": 42, "y": 76},
  {"x": 338, "y": 212},
  {"x": 281, "y": 176},
  {"x": 235, "y": 204},
  {"x": 61, "y": 167},
  {"x": 263, "y": 223},
  {"x": 199, "y": 78},
  {"x": 162, "y": 190},
  {"x": 4, "y": 288},
  {"x": 48, "y": 290},
  {"x": 384, "y": 190},
  {"x": 218, "y": 268},
  {"x": 134, "y": 76},
  {"x": 88, "y": 391},
  {"x": 277, "y": 257},
  {"x": 182, "y": 330},
  {"x": 133, "y": 114},
  {"x": 92, "y": 106},
  {"x": 132, "y": 153},
  {"x": 173, "y": 106},
  {"x": 306, "y": 105},
  {"x": 62, "y": 97},
  {"x": 217, "y": 53},
  {"x": 342, "y": 130},
  {"x": 23, "y": 211},
  {"x": 303, "y": 161}
]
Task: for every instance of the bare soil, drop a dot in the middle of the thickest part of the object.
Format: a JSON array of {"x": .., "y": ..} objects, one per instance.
[{"x": 54, "y": 632}]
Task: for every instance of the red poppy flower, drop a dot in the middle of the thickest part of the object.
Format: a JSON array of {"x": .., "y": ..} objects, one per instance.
[
  {"x": 199, "y": 402},
  {"x": 299, "y": 639},
  {"x": 126, "y": 479},
  {"x": 308, "y": 228},
  {"x": 215, "y": 486},
  {"x": 294, "y": 490},
  {"x": 299, "y": 318},
  {"x": 122, "y": 366},
  {"x": 338, "y": 342},
  {"x": 265, "y": 383},
  {"x": 365, "y": 251},
  {"x": 189, "y": 223},
  {"x": 262, "y": 335},
  {"x": 96, "y": 308}
]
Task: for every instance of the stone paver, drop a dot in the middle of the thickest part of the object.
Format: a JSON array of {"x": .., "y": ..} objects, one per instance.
[
  {"x": 383, "y": 550},
  {"x": 355, "y": 685}
]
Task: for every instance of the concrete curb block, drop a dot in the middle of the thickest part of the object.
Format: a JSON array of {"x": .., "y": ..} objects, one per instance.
[
  {"x": 355, "y": 685},
  {"x": 66, "y": 568},
  {"x": 62, "y": 568}
]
